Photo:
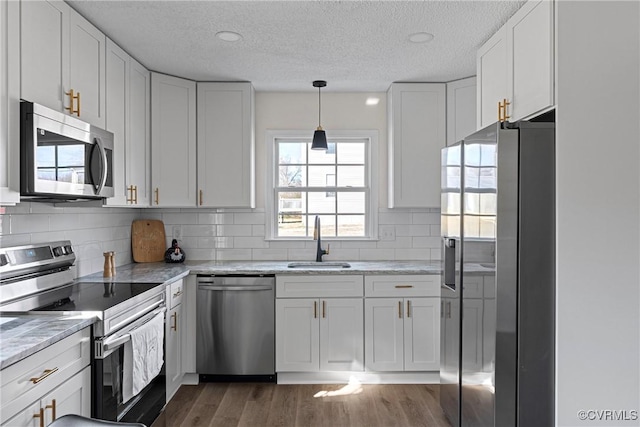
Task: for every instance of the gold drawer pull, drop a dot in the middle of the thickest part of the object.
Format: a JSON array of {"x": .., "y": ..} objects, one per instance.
[
  {"x": 399, "y": 309},
  {"x": 44, "y": 375},
  {"x": 174, "y": 327},
  {"x": 315, "y": 309},
  {"x": 324, "y": 309},
  {"x": 408, "y": 308},
  {"x": 177, "y": 294},
  {"x": 404, "y": 286},
  {"x": 157, "y": 191}
]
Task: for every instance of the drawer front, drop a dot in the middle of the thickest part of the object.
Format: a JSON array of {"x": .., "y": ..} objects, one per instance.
[
  {"x": 402, "y": 286},
  {"x": 176, "y": 292},
  {"x": 319, "y": 286},
  {"x": 60, "y": 361}
]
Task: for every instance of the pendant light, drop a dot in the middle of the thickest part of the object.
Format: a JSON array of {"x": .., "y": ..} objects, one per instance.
[{"x": 319, "y": 136}]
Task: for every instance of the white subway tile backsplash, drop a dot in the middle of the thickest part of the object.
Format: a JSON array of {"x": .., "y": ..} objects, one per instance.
[
  {"x": 287, "y": 244},
  {"x": 199, "y": 230},
  {"x": 15, "y": 240},
  {"x": 394, "y": 218},
  {"x": 422, "y": 254},
  {"x": 301, "y": 255},
  {"x": 436, "y": 254},
  {"x": 201, "y": 254},
  {"x": 215, "y": 242},
  {"x": 339, "y": 254},
  {"x": 236, "y": 230},
  {"x": 233, "y": 254},
  {"x": 215, "y": 218},
  {"x": 180, "y": 218},
  {"x": 426, "y": 242},
  {"x": 399, "y": 242},
  {"x": 377, "y": 255},
  {"x": 258, "y": 230},
  {"x": 252, "y": 242},
  {"x": 269, "y": 254},
  {"x": 34, "y": 223},
  {"x": 249, "y": 218}
]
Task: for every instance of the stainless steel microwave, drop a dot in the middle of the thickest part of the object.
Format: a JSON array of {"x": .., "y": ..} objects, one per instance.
[{"x": 62, "y": 157}]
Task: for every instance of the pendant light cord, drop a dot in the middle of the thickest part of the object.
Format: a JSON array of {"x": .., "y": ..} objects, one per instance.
[{"x": 319, "y": 107}]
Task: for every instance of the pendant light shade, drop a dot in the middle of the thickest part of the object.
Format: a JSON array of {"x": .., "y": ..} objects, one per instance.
[{"x": 319, "y": 136}]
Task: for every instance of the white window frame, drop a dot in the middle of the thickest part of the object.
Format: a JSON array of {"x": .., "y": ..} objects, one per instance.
[{"x": 371, "y": 175}]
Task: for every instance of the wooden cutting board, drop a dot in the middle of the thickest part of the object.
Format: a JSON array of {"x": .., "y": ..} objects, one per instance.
[{"x": 148, "y": 242}]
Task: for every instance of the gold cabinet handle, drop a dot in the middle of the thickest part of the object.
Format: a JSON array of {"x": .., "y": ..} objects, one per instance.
[
  {"x": 177, "y": 294},
  {"x": 45, "y": 374},
  {"x": 500, "y": 112},
  {"x": 174, "y": 316},
  {"x": 157, "y": 191},
  {"x": 404, "y": 286},
  {"x": 324, "y": 309},
  {"x": 408, "y": 308},
  {"x": 315, "y": 309},
  {"x": 399, "y": 309},
  {"x": 53, "y": 409},
  {"x": 200, "y": 197},
  {"x": 135, "y": 198},
  {"x": 41, "y": 416},
  {"x": 130, "y": 194},
  {"x": 70, "y": 108},
  {"x": 504, "y": 109}
]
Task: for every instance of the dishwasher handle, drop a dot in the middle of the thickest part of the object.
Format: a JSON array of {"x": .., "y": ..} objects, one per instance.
[{"x": 235, "y": 288}]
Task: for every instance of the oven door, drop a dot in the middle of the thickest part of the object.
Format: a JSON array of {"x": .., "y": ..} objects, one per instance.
[
  {"x": 63, "y": 157},
  {"x": 108, "y": 371}
]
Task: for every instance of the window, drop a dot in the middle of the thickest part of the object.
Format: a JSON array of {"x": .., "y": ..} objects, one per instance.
[{"x": 335, "y": 185}]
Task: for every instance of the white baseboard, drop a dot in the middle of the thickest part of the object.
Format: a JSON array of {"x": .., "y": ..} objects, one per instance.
[
  {"x": 362, "y": 377},
  {"x": 190, "y": 379}
]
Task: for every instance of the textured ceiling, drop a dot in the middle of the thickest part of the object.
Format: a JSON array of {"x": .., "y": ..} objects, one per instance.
[{"x": 354, "y": 45}]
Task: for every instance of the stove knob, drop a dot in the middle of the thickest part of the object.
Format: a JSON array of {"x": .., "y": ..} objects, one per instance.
[
  {"x": 58, "y": 251},
  {"x": 68, "y": 249},
  {"x": 3, "y": 260}
]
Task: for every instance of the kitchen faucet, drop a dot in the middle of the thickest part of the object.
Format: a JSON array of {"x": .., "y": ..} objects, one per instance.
[{"x": 316, "y": 236}]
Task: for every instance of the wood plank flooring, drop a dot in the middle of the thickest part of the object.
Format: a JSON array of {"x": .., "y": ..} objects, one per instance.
[{"x": 267, "y": 405}]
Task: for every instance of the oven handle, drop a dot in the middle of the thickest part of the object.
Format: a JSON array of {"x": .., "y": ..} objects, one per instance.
[
  {"x": 115, "y": 342},
  {"x": 133, "y": 317}
]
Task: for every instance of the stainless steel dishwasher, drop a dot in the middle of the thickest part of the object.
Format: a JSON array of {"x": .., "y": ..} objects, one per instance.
[{"x": 235, "y": 327}]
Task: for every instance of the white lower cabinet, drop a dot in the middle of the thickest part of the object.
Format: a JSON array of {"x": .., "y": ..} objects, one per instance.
[
  {"x": 174, "y": 328},
  {"x": 319, "y": 335},
  {"x": 48, "y": 384},
  {"x": 319, "y": 323},
  {"x": 402, "y": 323},
  {"x": 402, "y": 334}
]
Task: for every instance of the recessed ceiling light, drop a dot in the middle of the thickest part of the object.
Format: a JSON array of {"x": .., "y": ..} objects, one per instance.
[
  {"x": 420, "y": 37},
  {"x": 372, "y": 101},
  {"x": 229, "y": 36}
]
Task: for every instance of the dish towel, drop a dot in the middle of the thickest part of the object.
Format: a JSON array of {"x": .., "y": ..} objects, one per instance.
[{"x": 143, "y": 357}]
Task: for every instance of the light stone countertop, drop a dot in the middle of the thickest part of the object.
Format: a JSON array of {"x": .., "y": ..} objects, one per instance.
[{"x": 22, "y": 335}]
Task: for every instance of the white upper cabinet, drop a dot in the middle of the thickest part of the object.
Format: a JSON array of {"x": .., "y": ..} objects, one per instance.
[
  {"x": 128, "y": 117},
  {"x": 461, "y": 109},
  {"x": 62, "y": 60},
  {"x": 173, "y": 141},
  {"x": 492, "y": 77},
  {"x": 9, "y": 103},
  {"x": 116, "y": 118},
  {"x": 530, "y": 50},
  {"x": 517, "y": 65},
  {"x": 226, "y": 145},
  {"x": 417, "y": 132},
  {"x": 139, "y": 134}
]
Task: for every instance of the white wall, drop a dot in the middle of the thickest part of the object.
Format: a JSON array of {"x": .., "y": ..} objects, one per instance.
[
  {"x": 299, "y": 111},
  {"x": 598, "y": 211}
]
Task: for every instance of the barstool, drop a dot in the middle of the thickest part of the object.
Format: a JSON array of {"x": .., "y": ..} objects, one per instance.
[{"x": 79, "y": 421}]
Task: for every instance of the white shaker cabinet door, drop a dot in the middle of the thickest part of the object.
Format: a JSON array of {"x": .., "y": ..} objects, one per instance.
[
  {"x": 139, "y": 133},
  {"x": 461, "y": 109},
  {"x": 341, "y": 334},
  {"x": 384, "y": 332},
  {"x": 71, "y": 397},
  {"x": 26, "y": 417},
  {"x": 226, "y": 145},
  {"x": 87, "y": 69},
  {"x": 297, "y": 335},
  {"x": 116, "y": 118},
  {"x": 44, "y": 38},
  {"x": 422, "y": 334},
  {"x": 530, "y": 51},
  {"x": 173, "y": 331},
  {"x": 173, "y": 141},
  {"x": 491, "y": 78}
]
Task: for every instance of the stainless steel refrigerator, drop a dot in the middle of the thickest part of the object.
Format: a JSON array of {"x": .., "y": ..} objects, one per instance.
[{"x": 498, "y": 280}]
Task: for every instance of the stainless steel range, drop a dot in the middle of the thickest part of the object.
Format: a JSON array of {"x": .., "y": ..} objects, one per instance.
[{"x": 39, "y": 278}]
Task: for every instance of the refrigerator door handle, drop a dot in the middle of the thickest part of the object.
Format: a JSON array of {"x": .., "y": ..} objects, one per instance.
[{"x": 450, "y": 262}]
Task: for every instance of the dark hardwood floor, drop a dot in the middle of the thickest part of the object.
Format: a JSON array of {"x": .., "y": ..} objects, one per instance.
[{"x": 263, "y": 404}]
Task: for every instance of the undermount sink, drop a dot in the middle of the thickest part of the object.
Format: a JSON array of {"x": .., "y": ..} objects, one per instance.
[{"x": 319, "y": 265}]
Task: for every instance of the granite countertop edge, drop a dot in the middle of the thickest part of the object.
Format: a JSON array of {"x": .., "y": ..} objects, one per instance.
[{"x": 27, "y": 334}]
